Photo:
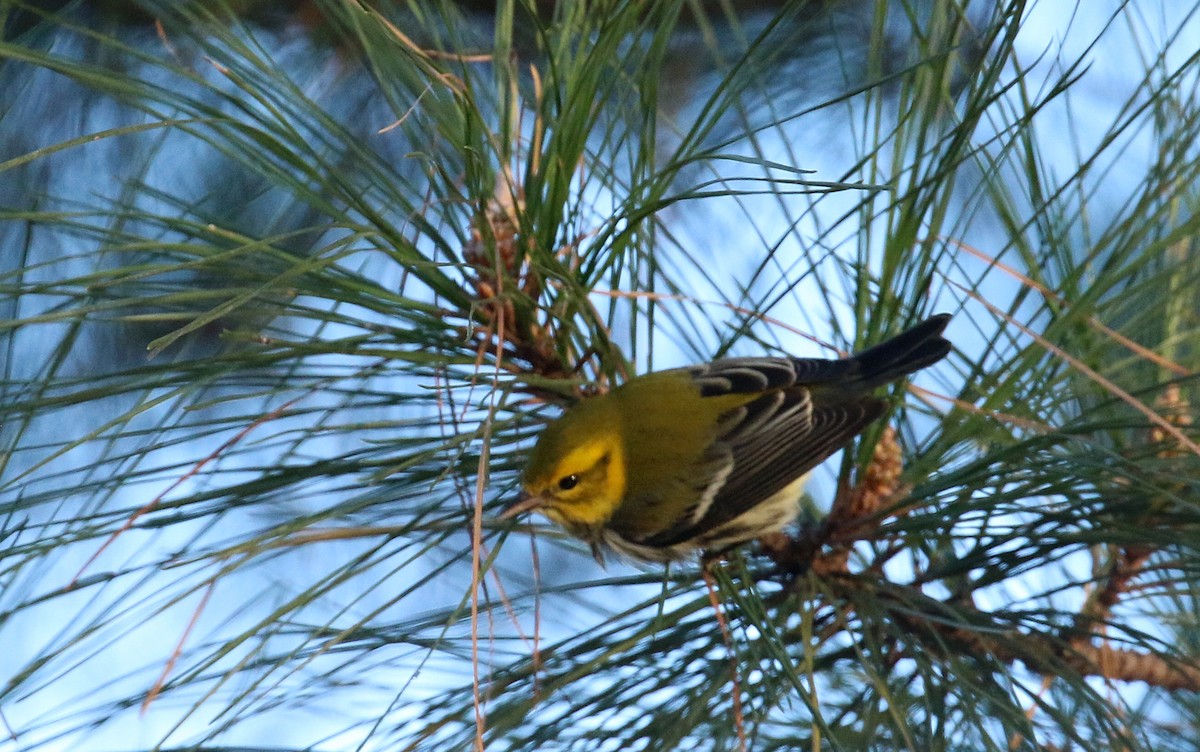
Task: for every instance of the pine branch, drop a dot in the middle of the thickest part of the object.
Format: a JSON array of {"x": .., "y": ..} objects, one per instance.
[{"x": 859, "y": 515}]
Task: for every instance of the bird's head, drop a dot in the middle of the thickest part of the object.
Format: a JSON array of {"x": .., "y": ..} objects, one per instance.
[{"x": 576, "y": 473}]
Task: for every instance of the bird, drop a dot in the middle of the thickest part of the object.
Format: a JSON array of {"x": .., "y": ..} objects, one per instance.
[{"x": 706, "y": 457}]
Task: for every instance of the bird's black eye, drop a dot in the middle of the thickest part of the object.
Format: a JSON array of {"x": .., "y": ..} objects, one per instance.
[{"x": 567, "y": 482}]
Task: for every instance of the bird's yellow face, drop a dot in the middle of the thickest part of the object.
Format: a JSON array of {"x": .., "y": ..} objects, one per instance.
[{"x": 576, "y": 475}]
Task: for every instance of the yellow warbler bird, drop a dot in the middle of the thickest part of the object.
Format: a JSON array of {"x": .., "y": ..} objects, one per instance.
[{"x": 712, "y": 455}]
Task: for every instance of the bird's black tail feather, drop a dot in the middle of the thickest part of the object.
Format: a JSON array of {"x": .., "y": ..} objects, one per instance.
[{"x": 921, "y": 346}]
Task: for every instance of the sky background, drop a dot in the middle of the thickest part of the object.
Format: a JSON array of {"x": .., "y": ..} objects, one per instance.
[{"x": 126, "y": 654}]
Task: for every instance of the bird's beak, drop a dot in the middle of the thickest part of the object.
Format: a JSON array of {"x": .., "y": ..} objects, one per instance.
[{"x": 525, "y": 502}]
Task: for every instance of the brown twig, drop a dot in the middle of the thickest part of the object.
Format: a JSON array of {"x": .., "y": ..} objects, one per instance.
[
  {"x": 1049, "y": 655},
  {"x": 734, "y": 674},
  {"x": 859, "y": 513},
  {"x": 178, "y": 651},
  {"x": 500, "y": 272}
]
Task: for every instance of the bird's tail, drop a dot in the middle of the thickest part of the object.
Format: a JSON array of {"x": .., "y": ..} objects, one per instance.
[{"x": 921, "y": 346}]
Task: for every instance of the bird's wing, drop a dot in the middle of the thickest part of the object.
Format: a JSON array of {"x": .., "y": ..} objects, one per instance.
[
  {"x": 766, "y": 444},
  {"x": 745, "y": 375}
]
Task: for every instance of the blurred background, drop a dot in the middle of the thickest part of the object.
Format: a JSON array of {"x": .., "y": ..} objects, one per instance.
[{"x": 288, "y": 289}]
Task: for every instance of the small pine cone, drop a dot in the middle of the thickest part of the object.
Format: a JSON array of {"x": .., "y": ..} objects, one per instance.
[
  {"x": 881, "y": 478},
  {"x": 1176, "y": 410}
]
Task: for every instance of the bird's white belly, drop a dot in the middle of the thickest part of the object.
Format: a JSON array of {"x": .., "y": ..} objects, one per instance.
[{"x": 768, "y": 516}]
